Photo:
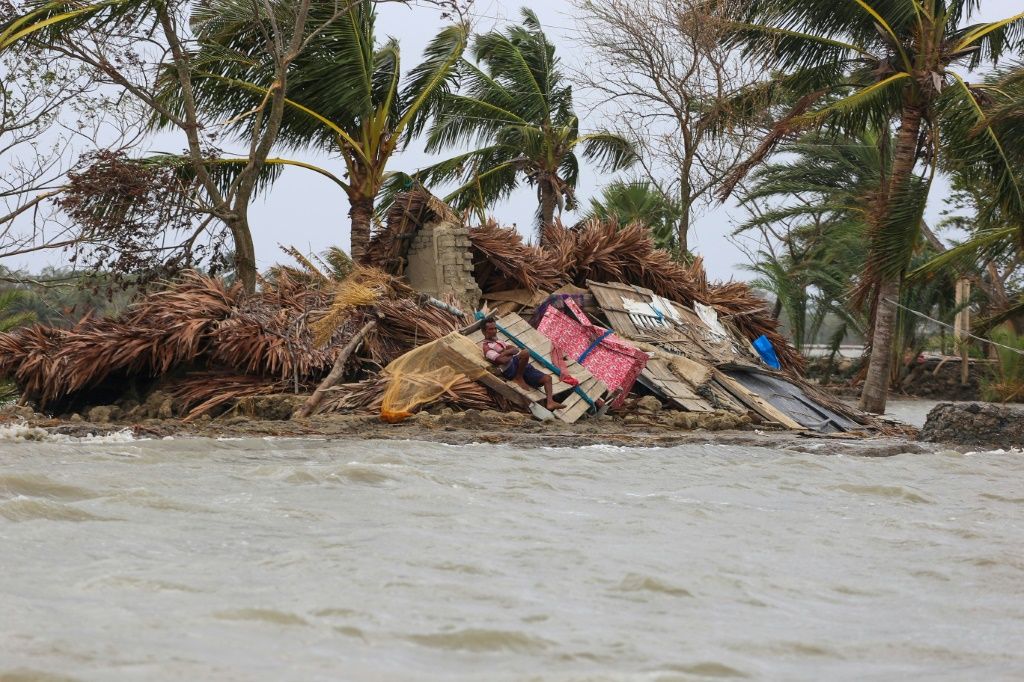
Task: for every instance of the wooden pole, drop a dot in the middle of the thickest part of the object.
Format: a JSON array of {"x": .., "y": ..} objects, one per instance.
[
  {"x": 962, "y": 326},
  {"x": 336, "y": 372}
]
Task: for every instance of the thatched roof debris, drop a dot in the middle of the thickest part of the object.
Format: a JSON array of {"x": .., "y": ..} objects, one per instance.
[
  {"x": 410, "y": 211},
  {"x": 209, "y": 343},
  {"x": 593, "y": 250}
]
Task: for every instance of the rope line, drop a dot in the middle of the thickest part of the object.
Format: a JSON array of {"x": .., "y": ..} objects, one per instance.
[{"x": 949, "y": 326}]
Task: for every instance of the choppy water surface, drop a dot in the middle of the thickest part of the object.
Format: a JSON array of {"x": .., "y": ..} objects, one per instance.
[{"x": 291, "y": 560}]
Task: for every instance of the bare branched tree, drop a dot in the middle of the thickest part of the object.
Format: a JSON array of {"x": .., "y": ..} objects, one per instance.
[
  {"x": 158, "y": 56},
  {"x": 50, "y": 112},
  {"x": 663, "y": 75}
]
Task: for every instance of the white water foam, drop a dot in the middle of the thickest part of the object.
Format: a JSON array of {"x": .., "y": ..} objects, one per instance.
[{"x": 22, "y": 432}]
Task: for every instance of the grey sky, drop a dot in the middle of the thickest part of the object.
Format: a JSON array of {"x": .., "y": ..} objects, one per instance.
[{"x": 309, "y": 212}]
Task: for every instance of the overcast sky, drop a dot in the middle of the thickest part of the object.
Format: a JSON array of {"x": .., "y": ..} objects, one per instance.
[{"x": 309, "y": 212}]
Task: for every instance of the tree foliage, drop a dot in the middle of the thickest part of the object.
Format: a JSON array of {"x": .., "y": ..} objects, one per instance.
[
  {"x": 639, "y": 202},
  {"x": 878, "y": 64},
  {"x": 347, "y": 93},
  {"x": 514, "y": 110}
]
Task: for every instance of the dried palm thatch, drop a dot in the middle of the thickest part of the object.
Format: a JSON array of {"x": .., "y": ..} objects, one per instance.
[
  {"x": 287, "y": 336},
  {"x": 388, "y": 249},
  {"x": 363, "y": 287},
  {"x": 366, "y": 396},
  {"x": 406, "y": 323},
  {"x": 202, "y": 392},
  {"x": 196, "y": 321},
  {"x": 502, "y": 261},
  {"x": 168, "y": 328}
]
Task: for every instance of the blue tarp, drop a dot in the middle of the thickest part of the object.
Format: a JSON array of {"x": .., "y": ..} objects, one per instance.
[{"x": 766, "y": 350}]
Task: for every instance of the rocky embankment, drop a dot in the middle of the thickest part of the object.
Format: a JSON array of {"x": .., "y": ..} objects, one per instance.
[{"x": 975, "y": 424}]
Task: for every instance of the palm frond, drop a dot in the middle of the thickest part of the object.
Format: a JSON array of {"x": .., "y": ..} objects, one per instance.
[
  {"x": 431, "y": 80},
  {"x": 609, "y": 151}
]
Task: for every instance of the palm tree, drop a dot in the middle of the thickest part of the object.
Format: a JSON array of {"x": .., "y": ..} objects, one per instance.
[
  {"x": 812, "y": 210},
  {"x": 848, "y": 66},
  {"x": 998, "y": 227},
  {"x": 236, "y": 40},
  {"x": 344, "y": 97},
  {"x": 821, "y": 195},
  {"x": 515, "y": 111},
  {"x": 639, "y": 201}
]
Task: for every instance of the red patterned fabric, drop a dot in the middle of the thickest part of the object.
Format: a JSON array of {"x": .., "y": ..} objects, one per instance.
[{"x": 614, "y": 361}]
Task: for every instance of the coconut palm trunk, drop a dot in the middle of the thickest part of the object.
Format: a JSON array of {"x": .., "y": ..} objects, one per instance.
[
  {"x": 361, "y": 215},
  {"x": 245, "y": 253},
  {"x": 876, "y": 384},
  {"x": 849, "y": 66},
  {"x": 548, "y": 202}
]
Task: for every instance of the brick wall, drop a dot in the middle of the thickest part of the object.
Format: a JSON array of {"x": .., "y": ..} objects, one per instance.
[{"x": 441, "y": 262}]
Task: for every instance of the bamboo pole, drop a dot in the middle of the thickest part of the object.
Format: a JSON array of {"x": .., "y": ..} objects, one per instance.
[
  {"x": 336, "y": 372},
  {"x": 962, "y": 325}
]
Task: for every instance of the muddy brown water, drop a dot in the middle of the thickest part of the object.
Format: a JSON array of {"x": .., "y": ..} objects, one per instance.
[{"x": 199, "y": 559}]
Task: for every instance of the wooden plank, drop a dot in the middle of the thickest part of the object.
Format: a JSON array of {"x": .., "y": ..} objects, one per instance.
[
  {"x": 684, "y": 403},
  {"x": 675, "y": 391},
  {"x": 475, "y": 327},
  {"x": 521, "y": 329},
  {"x": 594, "y": 388},
  {"x": 521, "y": 296},
  {"x": 577, "y": 409},
  {"x": 506, "y": 389},
  {"x": 514, "y": 324},
  {"x": 506, "y": 307},
  {"x": 692, "y": 371},
  {"x": 726, "y": 400},
  {"x": 673, "y": 387}
]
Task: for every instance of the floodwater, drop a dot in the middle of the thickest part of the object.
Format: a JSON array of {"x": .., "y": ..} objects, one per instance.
[{"x": 286, "y": 560}]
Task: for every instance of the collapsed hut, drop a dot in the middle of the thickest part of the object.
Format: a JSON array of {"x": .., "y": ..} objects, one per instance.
[
  {"x": 648, "y": 324},
  {"x": 697, "y": 336}
]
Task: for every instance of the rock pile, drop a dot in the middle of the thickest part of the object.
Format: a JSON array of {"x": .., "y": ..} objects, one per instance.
[{"x": 976, "y": 424}]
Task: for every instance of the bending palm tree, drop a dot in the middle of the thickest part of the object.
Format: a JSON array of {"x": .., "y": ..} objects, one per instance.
[
  {"x": 516, "y": 111},
  {"x": 999, "y": 226},
  {"x": 822, "y": 196},
  {"x": 853, "y": 65},
  {"x": 343, "y": 97},
  {"x": 814, "y": 222}
]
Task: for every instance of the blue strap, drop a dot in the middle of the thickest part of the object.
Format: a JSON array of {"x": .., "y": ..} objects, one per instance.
[{"x": 595, "y": 344}]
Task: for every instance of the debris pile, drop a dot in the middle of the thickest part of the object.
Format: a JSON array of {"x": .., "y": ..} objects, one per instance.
[
  {"x": 613, "y": 321},
  {"x": 208, "y": 344}
]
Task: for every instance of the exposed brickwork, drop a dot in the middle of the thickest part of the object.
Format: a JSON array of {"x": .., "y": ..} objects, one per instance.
[{"x": 440, "y": 262}]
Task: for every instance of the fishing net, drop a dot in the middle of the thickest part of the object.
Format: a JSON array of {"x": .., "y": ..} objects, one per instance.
[{"x": 425, "y": 374}]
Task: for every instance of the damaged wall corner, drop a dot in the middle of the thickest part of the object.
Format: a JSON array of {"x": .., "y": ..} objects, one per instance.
[{"x": 440, "y": 261}]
